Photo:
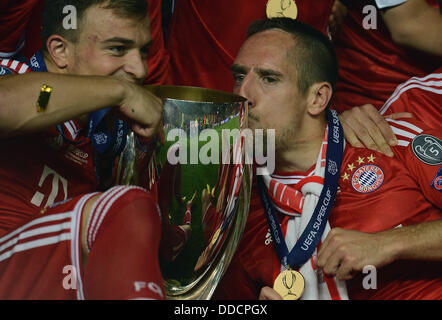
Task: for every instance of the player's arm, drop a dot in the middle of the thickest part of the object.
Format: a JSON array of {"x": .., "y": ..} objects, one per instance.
[
  {"x": 365, "y": 127},
  {"x": 72, "y": 97},
  {"x": 421, "y": 241},
  {"x": 345, "y": 253},
  {"x": 415, "y": 24}
]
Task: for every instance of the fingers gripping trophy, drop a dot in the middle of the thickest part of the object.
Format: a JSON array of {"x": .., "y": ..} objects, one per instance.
[{"x": 201, "y": 164}]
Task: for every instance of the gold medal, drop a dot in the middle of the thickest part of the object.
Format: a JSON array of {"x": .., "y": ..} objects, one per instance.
[
  {"x": 289, "y": 284},
  {"x": 281, "y": 8}
]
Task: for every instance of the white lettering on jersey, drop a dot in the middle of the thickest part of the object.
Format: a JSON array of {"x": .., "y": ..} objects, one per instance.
[
  {"x": 38, "y": 197},
  {"x": 151, "y": 286}
]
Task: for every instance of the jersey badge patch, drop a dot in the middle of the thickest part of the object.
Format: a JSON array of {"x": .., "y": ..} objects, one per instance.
[
  {"x": 427, "y": 149},
  {"x": 367, "y": 178},
  {"x": 437, "y": 181}
]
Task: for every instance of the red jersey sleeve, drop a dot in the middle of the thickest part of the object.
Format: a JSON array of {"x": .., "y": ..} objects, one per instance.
[
  {"x": 423, "y": 158},
  {"x": 420, "y": 96},
  {"x": 14, "y": 18}
]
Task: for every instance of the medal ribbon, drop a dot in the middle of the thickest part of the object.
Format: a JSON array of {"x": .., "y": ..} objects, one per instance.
[{"x": 312, "y": 233}]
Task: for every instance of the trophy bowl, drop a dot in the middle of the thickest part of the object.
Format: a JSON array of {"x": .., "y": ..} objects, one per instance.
[{"x": 202, "y": 177}]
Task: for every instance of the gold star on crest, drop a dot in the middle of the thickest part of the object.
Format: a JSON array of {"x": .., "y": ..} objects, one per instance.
[
  {"x": 345, "y": 176},
  {"x": 350, "y": 166},
  {"x": 360, "y": 160},
  {"x": 371, "y": 158}
]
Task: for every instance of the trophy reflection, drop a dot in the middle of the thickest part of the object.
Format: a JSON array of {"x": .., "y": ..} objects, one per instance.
[{"x": 202, "y": 178}]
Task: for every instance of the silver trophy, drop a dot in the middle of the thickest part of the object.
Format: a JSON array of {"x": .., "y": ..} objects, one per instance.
[{"x": 202, "y": 176}]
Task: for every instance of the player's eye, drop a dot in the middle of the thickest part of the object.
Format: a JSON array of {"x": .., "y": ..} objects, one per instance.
[
  {"x": 118, "y": 50},
  {"x": 238, "y": 78},
  {"x": 270, "y": 80}
]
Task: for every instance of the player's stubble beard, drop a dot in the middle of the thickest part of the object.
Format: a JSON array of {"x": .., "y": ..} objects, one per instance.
[{"x": 283, "y": 135}]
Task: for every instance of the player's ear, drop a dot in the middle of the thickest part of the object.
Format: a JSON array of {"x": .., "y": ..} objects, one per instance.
[
  {"x": 320, "y": 94},
  {"x": 59, "y": 49}
]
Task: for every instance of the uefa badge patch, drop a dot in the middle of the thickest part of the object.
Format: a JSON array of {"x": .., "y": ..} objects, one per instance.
[
  {"x": 437, "y": 181},
  {"x": 427, "y": 149},
  {"x": 367, "y": 178}
]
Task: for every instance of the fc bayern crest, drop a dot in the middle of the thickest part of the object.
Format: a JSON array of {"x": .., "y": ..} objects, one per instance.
[{"x": 367, "y": 178}]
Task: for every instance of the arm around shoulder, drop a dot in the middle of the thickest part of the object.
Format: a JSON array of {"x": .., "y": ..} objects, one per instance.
[
  {"x": 415, "y": 24},
  {"x": 71, "y": 97}
]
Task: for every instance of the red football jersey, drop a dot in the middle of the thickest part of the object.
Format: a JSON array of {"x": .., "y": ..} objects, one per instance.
[
  {"x": 204, "y": 36},
  {"x": 14, "y": 18},
  {"x": 375, "y": 193},
  {"x": 39, "y": 170},
  {"x": 371, "y": 65},
  {"x": 379, "y": 193}
]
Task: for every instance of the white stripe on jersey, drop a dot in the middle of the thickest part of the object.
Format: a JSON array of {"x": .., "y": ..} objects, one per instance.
[
  {"x": 35, "y": 244},
  {"x": 95, "y": 213},
  {"x": 18, "y": 234},
  {"x": 100, "y": 209},
  {"x": 36, "y": 232},
  {"x": 76, "y": 250},
  {"x": 70, "y": 126},
  {"x": 53, "y": 217},
  {"x": 73, "y": 227},
  {"x": 5, "y": 62},
  {"x": 404, "y": 131},
  {"x": 282, "y": 192},
  {"x": 427, "y": 83},
  {"x": 399, "y": 132},
  {"x": 406, "y": 124},
  {"x": 14, "y": 64},
  {"x": 403, "y": 143},
  {"x": 23, "y": 69},
  {"x": 107, "y": 207}
]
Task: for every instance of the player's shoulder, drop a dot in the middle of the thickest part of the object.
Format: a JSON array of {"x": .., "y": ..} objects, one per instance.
[
  {"x": 407, "y": 129},
  {"x": 414, "y": 136},
  {"x": 13, "y": 67}
]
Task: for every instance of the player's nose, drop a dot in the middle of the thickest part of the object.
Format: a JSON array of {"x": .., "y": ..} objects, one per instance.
[
  {"x": 246, "y": 90},
  {"x": 136, "y": 66}
]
